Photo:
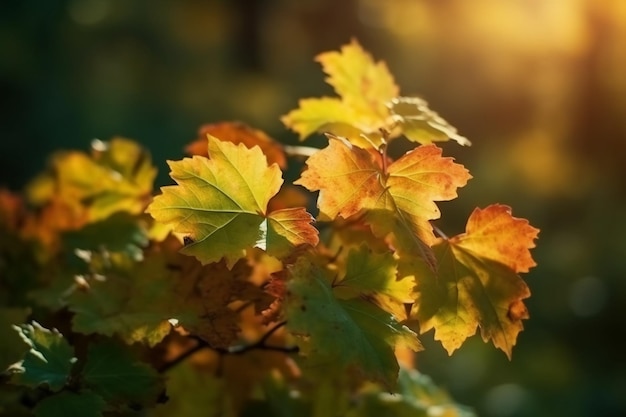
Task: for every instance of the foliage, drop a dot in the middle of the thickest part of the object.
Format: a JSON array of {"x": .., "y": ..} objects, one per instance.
[{"x": 224, "y": 281}]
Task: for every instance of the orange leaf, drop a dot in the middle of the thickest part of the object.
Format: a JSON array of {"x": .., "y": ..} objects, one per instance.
[
  {"x": 237, "y": 132},
  {"x": 477, "y": 284},
  {"x": 396, "y": 199},
  {"x": 495, "y": 234}
]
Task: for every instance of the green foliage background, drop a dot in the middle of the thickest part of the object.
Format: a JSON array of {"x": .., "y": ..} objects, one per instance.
[{"x": 538, "y": 88}]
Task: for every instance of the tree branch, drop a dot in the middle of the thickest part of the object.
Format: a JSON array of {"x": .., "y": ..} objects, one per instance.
[{"x": 260, "y": 344}]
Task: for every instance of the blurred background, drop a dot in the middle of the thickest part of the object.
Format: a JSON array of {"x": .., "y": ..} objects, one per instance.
[{"x": 538, "y": 86}]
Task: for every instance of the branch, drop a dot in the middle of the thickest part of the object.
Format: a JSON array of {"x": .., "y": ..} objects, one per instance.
[{"x": 260, "y": 344}]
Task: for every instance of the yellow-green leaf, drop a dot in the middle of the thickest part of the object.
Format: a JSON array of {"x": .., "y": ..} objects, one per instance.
[
  {"x": 220, "y": 202},
  {"x": 364, "y": 88},
  {"x": 343, "y": 332},
  {"x": 420, "y": 124}
]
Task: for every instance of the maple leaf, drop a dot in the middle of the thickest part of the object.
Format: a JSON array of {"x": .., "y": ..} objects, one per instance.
[
  {"x": 133, "y": 302},
  {"x": 478, "y": 283},
  {"x": 420, "y": 124},
  {"x": 399, "y": 198},
  {"x": 368, "y": 104},
  {"x": 237, "y": 132},
  {"x": 49, "y": 360},
  {"x": 343, "y": 332},
  {"x": 364, "y": 86},
  {"x": 220, "y": 204}
]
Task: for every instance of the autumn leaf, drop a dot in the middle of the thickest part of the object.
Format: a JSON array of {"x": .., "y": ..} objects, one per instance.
[
  {"x": 237, "y": 132},
  {"x": 368, "y": 104},
  {"x": 477, "y": 284},
  {"x": 342, "y": 333},
  {"x": 398, "y": 199},
  {"x": 117, "y": 176},
  {"x": 364, "y": 87},
  {"x": 220, "y": 203},
  {"x": 420, "y": 124},
  {"x": 374, "y": 276}
]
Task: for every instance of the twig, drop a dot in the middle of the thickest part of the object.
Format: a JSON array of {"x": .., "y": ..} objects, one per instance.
[{"x": 233, "y": 350}]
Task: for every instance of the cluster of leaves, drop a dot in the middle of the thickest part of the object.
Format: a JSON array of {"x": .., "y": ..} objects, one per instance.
[{"x": 223, "y": 294}]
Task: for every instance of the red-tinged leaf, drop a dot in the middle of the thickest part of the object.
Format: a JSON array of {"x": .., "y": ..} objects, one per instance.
[
  {"x": 477, "y": 284},
  {"x": 287, "y": 229},
  {"x": 494, "y": 234},
  {"x": 237, "y": 132},
  {"x": 398, "y": 200}
]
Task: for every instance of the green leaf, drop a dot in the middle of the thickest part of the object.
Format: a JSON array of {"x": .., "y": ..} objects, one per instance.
[
  {"x": 120, "y": 232},
  {"x": 194, "y": 392},
  {"x": 13, "y": 346},
  {"x": 69, "y": 404},
  {"x": 134, "y": 303},
  {"x": 113, "y": 373},
  {"x": 374, "y": 275},
  {"x": 343, "y": 333},
  {"x": 49, "y": 360},
  {"x": 420, "y": 124}
]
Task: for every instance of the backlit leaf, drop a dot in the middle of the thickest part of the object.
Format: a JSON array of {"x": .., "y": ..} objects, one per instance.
[
  {"x": 368, "y": 105},
  {"x": 364, "y": 87},
  {"x": 420, "y": 124},
  {"x": 49, "y": 360},
  {"x": 219, "y": 203},
  {"x": 399, "y": 199},
  {"x": 342, "y": 332},
  {"x": 477, "y": 284}
]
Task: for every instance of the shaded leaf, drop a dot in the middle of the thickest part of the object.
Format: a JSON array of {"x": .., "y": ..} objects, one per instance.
[
  {"x": 66, "y": 403},
  {"x": 49, "y": 360},
  {"x": 134, "y": 303},
  {"x": 478, "y": 283},
  {"x": 121, "y": 232},
  {"x": 111, "y": 372},
  {"x": 13, "y": 347},
  {"x": 342, "y": 332},
  {"x": 194, "y": 392}
]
